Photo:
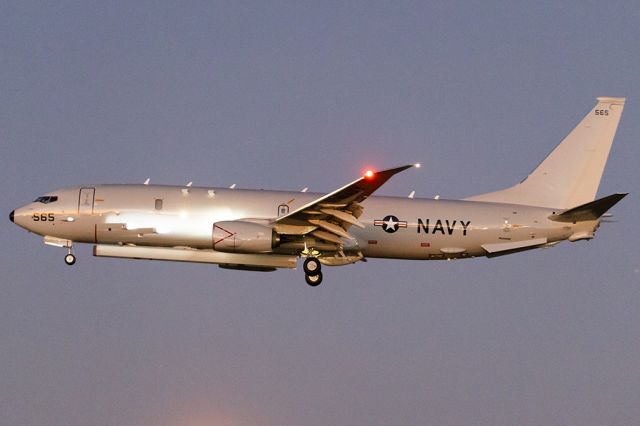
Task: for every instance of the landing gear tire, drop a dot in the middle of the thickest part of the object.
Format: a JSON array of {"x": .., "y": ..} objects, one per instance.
[
  {"x": 312, "y": 267},
  {"x": 69, "y": 259},
  {"x": 314, "y": 280}
]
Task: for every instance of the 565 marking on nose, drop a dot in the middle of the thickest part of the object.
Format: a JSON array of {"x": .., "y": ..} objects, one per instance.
[{"x": 43, "y": 217}]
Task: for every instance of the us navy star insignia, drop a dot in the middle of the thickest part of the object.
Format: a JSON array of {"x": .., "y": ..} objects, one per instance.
[{"x": 390, "y": 223}]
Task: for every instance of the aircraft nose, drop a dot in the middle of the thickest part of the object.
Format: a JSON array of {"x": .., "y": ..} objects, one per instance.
[{"x": 11, "y": 215}]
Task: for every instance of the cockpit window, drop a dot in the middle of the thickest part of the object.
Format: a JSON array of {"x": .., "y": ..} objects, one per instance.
[{"x": 46, "y": 199}]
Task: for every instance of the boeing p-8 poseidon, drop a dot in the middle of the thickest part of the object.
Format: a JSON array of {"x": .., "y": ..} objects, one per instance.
[{"x": 261, "y": 230}]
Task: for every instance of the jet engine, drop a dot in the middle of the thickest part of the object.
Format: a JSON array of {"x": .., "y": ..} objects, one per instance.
[{"x": 238, "y": 236}]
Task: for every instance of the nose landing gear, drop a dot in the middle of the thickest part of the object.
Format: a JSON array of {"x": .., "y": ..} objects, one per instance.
[{"x": 69, "y": 258}]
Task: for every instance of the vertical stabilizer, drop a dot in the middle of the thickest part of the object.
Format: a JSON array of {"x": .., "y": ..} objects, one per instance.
[{"x": 571, "y": 174}]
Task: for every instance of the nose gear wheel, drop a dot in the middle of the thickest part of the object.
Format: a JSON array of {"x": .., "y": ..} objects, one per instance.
[{"x": 69, "y": 258}]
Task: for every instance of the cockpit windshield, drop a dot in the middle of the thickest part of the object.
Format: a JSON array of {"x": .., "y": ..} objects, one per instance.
[{"x": 46, "y": 199}]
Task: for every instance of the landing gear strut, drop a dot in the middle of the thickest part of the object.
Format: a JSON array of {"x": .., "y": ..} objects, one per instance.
[
  {"x": 69, "y": 259},
  {"x": 312, "y": 269}
]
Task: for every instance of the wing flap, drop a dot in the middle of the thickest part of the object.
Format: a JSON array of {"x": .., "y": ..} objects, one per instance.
[
  {"x": 344, "y": 216},
  {"x": 331, "y": 227}
]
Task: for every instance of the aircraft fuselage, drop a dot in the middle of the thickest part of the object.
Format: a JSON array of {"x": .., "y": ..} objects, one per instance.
[{"x": 394, "y": 227}]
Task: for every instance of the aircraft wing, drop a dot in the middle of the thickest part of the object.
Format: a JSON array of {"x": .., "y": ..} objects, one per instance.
[{"x": 330, "y": 216}]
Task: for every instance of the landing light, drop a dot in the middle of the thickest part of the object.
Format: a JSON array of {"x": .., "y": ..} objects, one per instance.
[
  {"x": 417, "y": 165},
  {"x": 369, "y": 174}
]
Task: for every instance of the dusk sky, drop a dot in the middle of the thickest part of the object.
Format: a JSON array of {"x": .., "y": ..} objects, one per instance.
[{"x": 287, "y": 95}]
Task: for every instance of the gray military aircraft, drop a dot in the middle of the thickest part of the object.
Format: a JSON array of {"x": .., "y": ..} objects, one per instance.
[{"x": 264, "y": 230}]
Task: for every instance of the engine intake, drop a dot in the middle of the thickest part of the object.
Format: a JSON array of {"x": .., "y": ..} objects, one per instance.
[{"x": 238, "y": 236}]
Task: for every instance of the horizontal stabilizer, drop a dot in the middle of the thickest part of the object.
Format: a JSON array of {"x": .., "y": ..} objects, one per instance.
[{"x": 589, "y": 211}]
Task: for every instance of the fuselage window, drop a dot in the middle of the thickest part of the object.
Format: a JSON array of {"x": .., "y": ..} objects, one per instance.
[
  {"x": 46, "y": 199},
  {"x": 158, "y": 204}
]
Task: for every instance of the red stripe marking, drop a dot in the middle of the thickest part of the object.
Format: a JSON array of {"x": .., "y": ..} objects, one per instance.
[{"x": 230, "y": 234}]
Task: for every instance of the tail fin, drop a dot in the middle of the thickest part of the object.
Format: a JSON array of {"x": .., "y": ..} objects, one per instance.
[{"x": 571, "y": 174}]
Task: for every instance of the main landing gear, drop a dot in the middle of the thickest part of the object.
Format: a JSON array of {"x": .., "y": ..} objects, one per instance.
[{"x": 312, "y": 269}]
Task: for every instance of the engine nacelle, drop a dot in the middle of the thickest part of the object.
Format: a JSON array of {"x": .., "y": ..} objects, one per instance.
[{"x": 237, "y": 236}]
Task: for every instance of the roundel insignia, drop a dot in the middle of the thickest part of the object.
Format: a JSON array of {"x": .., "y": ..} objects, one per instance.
[{"x": 390, "y": 223}]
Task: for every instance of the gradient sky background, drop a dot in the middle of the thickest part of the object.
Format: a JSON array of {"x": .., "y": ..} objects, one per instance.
[{"x": 285, "y": 95}]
